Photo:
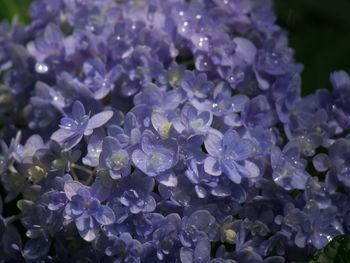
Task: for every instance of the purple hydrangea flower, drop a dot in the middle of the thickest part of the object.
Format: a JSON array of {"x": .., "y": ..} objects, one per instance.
[
  {"x": 98, "y": 79},
  {"x": 155, "y": 156},
  {"x": 288, "y": 169},
  {"x": 197, "y": 226},
  {"x": 73, "y": 128},
  {"x": 114, "y": 158},
  {"x": 94, "y": 149},
  {"x": 134, "y": 193},
  {"x": 201, "y": 253},
  {"x": 193, "y": 121},
  {"x": 86, "y": 210},
  {"x": 229, "y": 154},
  {"x": 196, "y": 86},
  {"x": 317, "y": 227},
  {"x": 197, "y": 143}
]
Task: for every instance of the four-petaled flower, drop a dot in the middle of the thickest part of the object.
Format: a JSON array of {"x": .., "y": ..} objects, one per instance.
[
  {"x": 156, "y": 155},
  {"x": 229, "y": 153},
  {"x": 74, "y": 127},
  {"x": 86, "y": 210}
]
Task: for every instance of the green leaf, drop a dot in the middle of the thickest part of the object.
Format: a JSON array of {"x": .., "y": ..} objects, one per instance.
[
  {"x": 12, "y": 8},
  {"x": 337, "y": 251}
]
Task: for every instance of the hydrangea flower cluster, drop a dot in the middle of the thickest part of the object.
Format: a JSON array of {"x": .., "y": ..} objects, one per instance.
[{"x": 166, "y": 131}]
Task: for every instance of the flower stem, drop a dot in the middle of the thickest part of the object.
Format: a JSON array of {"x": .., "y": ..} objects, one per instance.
[
  {"x": 90, "y": 179},
  {"x": 82, "y": 168},
  {"x": 13, "y": 218},
  {"x": 74, "y": 175}
]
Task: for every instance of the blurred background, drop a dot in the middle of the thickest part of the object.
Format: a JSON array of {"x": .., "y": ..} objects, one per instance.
[{"x": 319, "y": 31}]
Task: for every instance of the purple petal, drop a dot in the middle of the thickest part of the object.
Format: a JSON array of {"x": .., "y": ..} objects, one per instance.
[
  {"x": 221, "y": 191},
  {"x": 246, "y": 49},
  {"x": 87, "y": 228},
  {"x": 105, "y": 215},
  {"x": 150, "y": 205},
  {"x": 114, "y": 130},
  {"x": 93, "y": 65},
  {"x": 139, "y": 159},
  {"x": 230, "y": 169},
  {"x": 34, "y": 141},
  {"x": 212, "y": 166},
  {"x": 53, "y": 34},
  {"x": 110, "y": 145},
  {"x": 340, "y": 79},
  {"x": 213, "y": 144},
  {"x": 78, "y": 110},
  {"x": 186, "y": 255},
  {"x": 130, "y": 122},
  {"x": 168, "y": 179},
  {"x": 77, "y": 205},
  {"x": 276, "y": 156},
  {"x": 68, "y": 124},
  {"x": 72, "y": 188},
  {"x": 202, "y": 251},
  {"x": 62, "y": 135},
  {"x": 238, "y": 102},
  {"x": 321, "y": 162},
  {"x": 99, "y": 119},
  {"x": 72, "y": 141}
]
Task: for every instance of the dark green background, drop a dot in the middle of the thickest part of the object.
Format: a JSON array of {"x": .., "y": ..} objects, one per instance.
[{"x": 319, "y": 31}]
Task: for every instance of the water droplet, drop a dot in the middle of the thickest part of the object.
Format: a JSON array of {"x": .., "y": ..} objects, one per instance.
[
  {"x": 133, "y": 27},
  {"x": 185, "y": 25},
  {"x": 181, "y": 13},
  {"x": 202, "y": 40},
  {"x": 41, "y": 68},
  {"x": 226, "y": 2},
  {"x": 201, "y": 192},
  {"x": 90, "y": 28},
  {"x": 160, "y": 255},
  {"x": 198, "y": 16}
]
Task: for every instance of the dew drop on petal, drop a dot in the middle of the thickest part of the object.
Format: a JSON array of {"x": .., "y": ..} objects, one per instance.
[
  {"x": 160, "y": 255},
  {"x": 41, "y": 68},
  {"x": 201, "y": 192},
  {"x": 90, "y": 28}
]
